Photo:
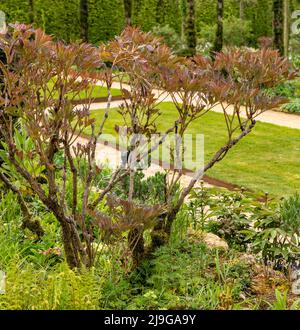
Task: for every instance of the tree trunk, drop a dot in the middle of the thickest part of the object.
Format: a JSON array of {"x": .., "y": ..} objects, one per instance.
[
  {"x": 190, "y": 31},
  {"x": 137, "y": 246},
  {"x": 184, "y": 15},
  {"x": 278, "y": 25},
  {"x": 242, "y": 9},
  {"x": 84, "y": 20},
  {"x": 31, "y": 11},
  {"x": 159, "y": 234},
  {"x": 218, "y": 45},
  {"x": 286, "y": 26},
  {"x": 71, "y": 248},
  {"x": 128, "y": 11}
]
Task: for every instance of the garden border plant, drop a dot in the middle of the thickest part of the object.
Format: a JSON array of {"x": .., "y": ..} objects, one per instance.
[{"x": 51, "y": 125}]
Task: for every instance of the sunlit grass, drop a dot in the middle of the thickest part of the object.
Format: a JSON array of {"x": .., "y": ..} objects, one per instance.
[
  {"x": 93, "y": 92},
  {"x": 267, "y": 160}
]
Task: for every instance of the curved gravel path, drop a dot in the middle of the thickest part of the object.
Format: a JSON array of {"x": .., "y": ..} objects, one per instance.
[{"x": 270, "y": 116}]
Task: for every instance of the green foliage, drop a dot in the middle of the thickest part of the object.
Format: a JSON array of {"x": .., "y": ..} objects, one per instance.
[
  {"x": 31, "y": 163},
  {"x": 15, "y": 10},
  {"x": 205, "y": 12},
  {"x": 143, "y": 13},
  {"x": 281, "y": 302},
  {"x": 286, "y": 89},
  {"x": 58, "y": 288},
  {"x": 222, "y": 213},
  {"x": 106, "y": 19},
  {"x": 61, "y": 18},
  {"x": 269, "y": 229},
  {"x": 170, "y": 37},
  {"x": 292, "y": 106},
  {"x": 260, "y": 14},
  {"x": 236, "y": 32},
  {"x": 275, "y": 232},
  {"x": 58, "y": 17},
  {"x": 168, "y": 13},
  {"x": 150, "y": 13},
  {"x": 182, "y": 275},
  {"x": 188, "y": 276},
  {"x": 150, "y": 190}
]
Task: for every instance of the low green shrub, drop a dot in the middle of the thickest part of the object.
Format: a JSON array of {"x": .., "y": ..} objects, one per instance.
[
  {"x": 275, "y": 232},
  {"x": 292, "y": 106},
  {"x": 57, "y": 288},
  {"x": 190, "y": 276},
  {"x": 237, "y": 33},
  {"x": 170, "y": 37}
]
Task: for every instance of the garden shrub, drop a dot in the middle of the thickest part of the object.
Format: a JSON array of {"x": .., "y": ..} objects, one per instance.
[
  {"x": 275, "y": 232},
  {"x": 58, "y": 287},
  {"x": 168, "y": 13},
  {"x": 260, "y": 14},
  {"x": 68, "y": 190},
  {"x": 190, "y": 276},
  {"x": 292, "y": 106},
  {"x": 170, "y": 37},
  {"x": 106, "y": 17},
  {"x": 237, "y": 32}
]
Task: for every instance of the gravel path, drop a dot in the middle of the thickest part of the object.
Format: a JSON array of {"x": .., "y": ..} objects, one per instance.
[
  {"x": 107, "y": 155},
  {"x": 270, "y": 116}
]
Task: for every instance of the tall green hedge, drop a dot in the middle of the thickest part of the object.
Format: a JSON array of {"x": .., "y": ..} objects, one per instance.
[
  {"x": 15, "y": 10},
  {"x": 168, "y": 12},
  {"x": 106, "y": 19},
  {"x": 58, "y": 17},
  {"x": 61, "y": 17},
  {"x": 144, "y": 14},
  {"x": 149, "y": 13}
]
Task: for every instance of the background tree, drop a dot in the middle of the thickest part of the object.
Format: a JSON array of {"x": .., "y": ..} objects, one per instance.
[
  {"x": 128, "y": 11},
  {"x": 31, "y": 11},
  {"x": 218, "y": 44},
  {"x": 286, "y": 26},
  {"x": 278, "y": 25},
  {"x": 190, "y": 28},
  {"x": 84, "y": 20},
  {"x": 243, "y": 5}
]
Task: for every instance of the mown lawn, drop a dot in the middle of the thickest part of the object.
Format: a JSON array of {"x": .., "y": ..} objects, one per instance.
[
  {"x": 98, "y": 91},
  {"x": 267, "y": 160}
]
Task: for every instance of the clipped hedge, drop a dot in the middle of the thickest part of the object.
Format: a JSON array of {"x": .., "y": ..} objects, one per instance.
[
  {"x": 61, "y": 18},
  {"x": 58, "y": 17},
  {"x": 107, "y": 17},
  {"x": 15, "y": 10}
]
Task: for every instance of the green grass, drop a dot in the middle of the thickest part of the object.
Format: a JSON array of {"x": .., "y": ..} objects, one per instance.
[
  {"x": 267, "y": 160},
  {"x": 98, "y": 91}
]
